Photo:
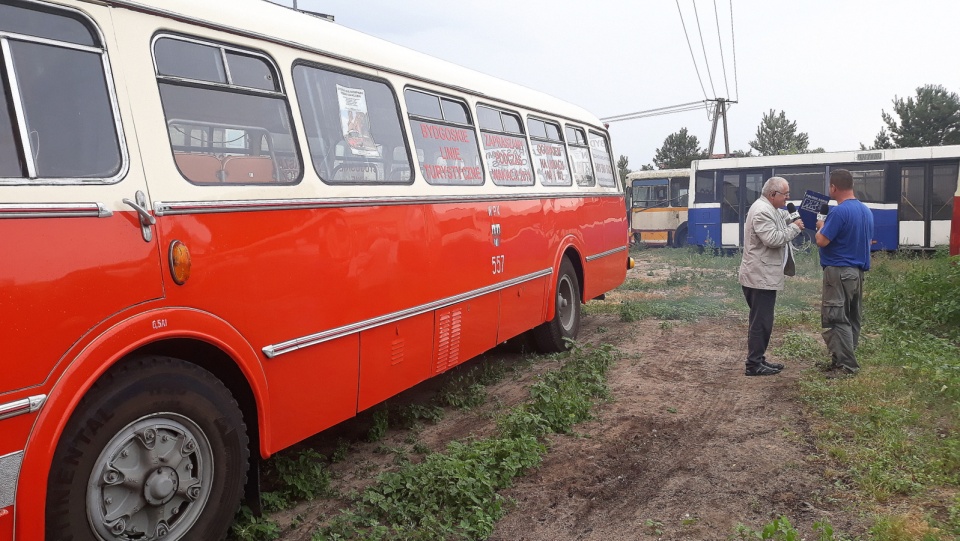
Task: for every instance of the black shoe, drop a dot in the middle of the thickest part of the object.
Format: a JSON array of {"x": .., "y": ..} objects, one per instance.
[
  {"x": 776, "y": 366},
  {"x": 840, "y": 372},
  {"x": 761, "y": 370}
]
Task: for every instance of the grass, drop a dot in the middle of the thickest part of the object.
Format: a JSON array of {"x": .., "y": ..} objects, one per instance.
[
  {"x": 895, "y": 428},
  {"x": 447, "y": 495}
]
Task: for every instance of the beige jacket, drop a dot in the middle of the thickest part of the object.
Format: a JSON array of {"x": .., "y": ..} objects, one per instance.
[{"x": 766, "y": 247}]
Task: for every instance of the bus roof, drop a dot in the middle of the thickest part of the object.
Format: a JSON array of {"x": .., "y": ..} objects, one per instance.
[
  {"x": 850, "y": 156},
  {"x": 275, "y": 23},
  {"x": 659, "y": 173}
]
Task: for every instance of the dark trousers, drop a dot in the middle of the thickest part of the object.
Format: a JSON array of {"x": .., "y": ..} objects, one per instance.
[
  {"x": 761, "y": 303},
  {"x": 841, "y": 314}
]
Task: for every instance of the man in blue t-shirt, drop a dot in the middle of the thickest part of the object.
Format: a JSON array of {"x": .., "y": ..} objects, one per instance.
[{"x": 844, "y": 238}]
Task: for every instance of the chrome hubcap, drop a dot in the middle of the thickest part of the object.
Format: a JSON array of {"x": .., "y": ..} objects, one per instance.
[{"x": 565, "y": 299}]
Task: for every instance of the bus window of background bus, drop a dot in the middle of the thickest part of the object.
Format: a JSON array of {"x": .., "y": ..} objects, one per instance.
[
  {"x": 869, "y": 181},
  {"x": 445, "y": 140},
  {"x": 602, "y": 160},
  {"x": 53, "y": 69},
  {"x": 580, "y": 156},
  {"x": 803, "y": 178},
  {"x": 549, "y": 153},
  {"x": 706, "y": 187},
  {"x": 944, "y": 186},
  {"x": 353, "y": 125},
  {"x": 679, "y": 191},
  {"x": 505, "y": 147},
  {"x": 227, "y": 123}
]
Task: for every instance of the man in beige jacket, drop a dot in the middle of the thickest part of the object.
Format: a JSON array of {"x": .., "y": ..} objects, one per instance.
[{"x": 767, "y": 233}]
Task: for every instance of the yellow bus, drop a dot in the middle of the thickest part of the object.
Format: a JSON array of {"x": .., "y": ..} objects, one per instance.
[{"x": 658, "y": 213}]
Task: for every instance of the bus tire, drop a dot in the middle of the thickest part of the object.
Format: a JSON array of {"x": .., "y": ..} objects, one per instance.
[
  {"x": 680, "y": 237},
  {"x": 552, "y": 336},
  {"x": 156, "y": 450},
  {"x": 805, "y": 240}
]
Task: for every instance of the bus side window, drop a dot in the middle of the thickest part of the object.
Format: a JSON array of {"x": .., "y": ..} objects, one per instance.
[
  {"x": 69, "y": 130},
  {"x": 207, "y": 122},
  {"x": 353, "y": 126}
]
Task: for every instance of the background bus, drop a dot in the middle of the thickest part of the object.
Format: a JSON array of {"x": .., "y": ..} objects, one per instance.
[
  {"x": 658, "y": 213},
  {"x": 910, "y": 191}
]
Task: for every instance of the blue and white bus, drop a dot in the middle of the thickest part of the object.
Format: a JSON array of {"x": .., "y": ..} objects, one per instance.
[{"x": 910, "y": 191}]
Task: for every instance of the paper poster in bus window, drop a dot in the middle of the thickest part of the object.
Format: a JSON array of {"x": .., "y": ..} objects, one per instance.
[
  {"x": 355, "y": 122},
  {"x": 580, "y": 161},
  {"x": 550, "y": 162},
  {"x": 601, "y": 160},
  {"x": 450, "y": 154},
  {"x": 508, "y": 159}
]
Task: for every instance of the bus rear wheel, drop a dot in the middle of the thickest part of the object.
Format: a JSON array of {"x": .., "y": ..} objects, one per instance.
[
  {"x": 554, "y": 335},
  {"x": 680, "y": 237},
  {"x": 156, "y": 450}
]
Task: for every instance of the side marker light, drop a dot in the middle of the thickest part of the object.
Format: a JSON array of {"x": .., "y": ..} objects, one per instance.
[{"x": 179, "y": 262}]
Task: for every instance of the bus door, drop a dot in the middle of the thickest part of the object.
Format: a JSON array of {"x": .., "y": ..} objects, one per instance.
[
  {"x": 739, "y": 189},
  {"x": 926, "y": 203},
  {"x": 74, "y": 217}
]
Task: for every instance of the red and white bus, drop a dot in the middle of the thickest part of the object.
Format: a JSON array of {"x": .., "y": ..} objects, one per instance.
[{"x": 227, "y": 226}]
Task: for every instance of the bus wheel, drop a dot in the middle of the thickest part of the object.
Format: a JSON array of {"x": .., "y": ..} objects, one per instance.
[
  {"x": 805, "y": 240},
  {"x": 156, "y": 450},
  {"x": 680, "y": 237},
  {"x": 552, "y": 336}
]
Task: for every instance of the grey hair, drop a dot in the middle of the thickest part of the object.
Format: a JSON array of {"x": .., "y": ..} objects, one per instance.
[{"x": 774, "y": 184}]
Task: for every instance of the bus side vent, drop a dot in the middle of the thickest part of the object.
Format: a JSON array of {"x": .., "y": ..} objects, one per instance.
[
  {"x": 867, "y": 156},
  {"x": 448, "y": 340},
  {"x": 396, "y": 351}
]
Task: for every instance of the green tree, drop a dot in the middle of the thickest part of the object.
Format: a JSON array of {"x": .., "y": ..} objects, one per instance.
[
  {"x": 930, "y": 119},
  {"x": 678, "y": 150},
  {"x": 647, "y": 167},
  {"x": 882, "y": 140},
  {"x": 622, "y": 164},
  {"x": 777, "y": 135}
]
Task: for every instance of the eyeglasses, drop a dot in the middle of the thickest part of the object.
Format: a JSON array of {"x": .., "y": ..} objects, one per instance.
[{"x": 782, "y": 193}]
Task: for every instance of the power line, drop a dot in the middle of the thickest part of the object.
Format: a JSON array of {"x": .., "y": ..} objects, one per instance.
[
  {"x": 692, "y": 57},
  {"x": 681, "y": 108},
  {"x": 736, "y": 84},
  {"x": 723, "y": 64},
  {"x": 703, "y": 46}
]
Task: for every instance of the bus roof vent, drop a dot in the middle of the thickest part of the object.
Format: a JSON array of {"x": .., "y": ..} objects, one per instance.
[{"x": 868, "y": 156}]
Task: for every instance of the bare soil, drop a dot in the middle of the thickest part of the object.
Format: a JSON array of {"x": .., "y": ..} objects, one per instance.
[{"x": 686, "y": 448}]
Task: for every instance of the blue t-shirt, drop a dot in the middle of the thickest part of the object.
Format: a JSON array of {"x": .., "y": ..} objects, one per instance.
[{"x": 849, "y": 226}]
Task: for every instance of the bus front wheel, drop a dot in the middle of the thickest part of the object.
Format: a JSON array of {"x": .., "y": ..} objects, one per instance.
[
  {"x": 156, "y": 450},
  {"x": 552, "y": 336}
]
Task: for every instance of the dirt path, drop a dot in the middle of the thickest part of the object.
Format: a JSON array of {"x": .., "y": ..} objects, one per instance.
[{"x": 686, "y": 448}]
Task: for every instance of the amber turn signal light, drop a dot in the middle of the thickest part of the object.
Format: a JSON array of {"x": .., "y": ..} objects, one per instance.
[
  {"x": 630, "y": 263},
  {"x": 179, "y": 262}
]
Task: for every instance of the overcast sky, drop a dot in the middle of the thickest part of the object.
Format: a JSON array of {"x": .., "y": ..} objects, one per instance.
[{"x": 831, "y": 65}]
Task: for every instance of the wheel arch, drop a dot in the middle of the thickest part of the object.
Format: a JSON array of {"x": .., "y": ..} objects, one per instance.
[
  {"x": 570, "y": 250},
  {"x": 196, "y": 337}
]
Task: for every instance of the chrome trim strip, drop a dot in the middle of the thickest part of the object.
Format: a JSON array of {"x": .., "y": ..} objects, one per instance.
[
  {"x": 52, "y": 42},
  {"x": 166, "y": 208},
  {"x": 21, "y": 407},
  {"x": 54, "y": 210},
  {"x": 605, "y": 254},
  {"x": 18, "y": 108},
  {"x": 9, "y": 474},
  {"x": 275, "y": 350}
]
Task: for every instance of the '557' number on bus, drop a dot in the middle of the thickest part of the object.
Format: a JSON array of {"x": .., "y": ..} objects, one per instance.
[{"x": 497, "y": 262}]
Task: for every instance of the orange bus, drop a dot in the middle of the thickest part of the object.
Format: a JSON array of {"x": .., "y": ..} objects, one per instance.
[{"x": 228, "y": 226}]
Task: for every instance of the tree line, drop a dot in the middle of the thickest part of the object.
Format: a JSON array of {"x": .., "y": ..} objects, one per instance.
[{"x": 931, "y": 118}]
